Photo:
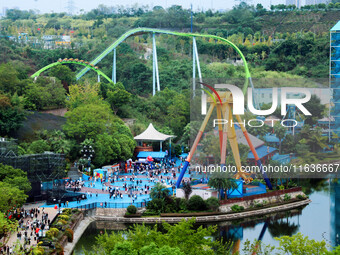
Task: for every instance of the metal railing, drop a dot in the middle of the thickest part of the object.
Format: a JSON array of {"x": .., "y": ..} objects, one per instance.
[{"x": 110, "y": 205}]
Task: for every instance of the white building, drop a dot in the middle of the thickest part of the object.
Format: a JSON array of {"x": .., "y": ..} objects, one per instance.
[
  {"x": 297, "y": 3},
  {"x": 203, "y": 193}
]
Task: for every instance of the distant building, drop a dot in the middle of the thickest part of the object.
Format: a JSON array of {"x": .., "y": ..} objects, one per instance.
[
  {"x": 314, "y": 2},
  {"x": 297, "y": 3},
  {"x": 4, "y": 10},
  {"x": 265, "y": 95}
]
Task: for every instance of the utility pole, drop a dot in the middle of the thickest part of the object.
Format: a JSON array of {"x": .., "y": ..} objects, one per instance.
[{"x": 191, "y": 19}]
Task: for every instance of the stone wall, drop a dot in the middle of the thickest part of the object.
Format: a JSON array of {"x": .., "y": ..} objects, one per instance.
[
  {"x": 110, "y": 212},
  {"x": 250, "y": 203},
  {"x": 109, "y": 225}
]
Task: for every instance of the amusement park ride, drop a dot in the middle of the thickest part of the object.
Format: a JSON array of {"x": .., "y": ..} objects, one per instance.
[
  {"x": 223, "y": 104},
  {"x": 223, "y": 101}
]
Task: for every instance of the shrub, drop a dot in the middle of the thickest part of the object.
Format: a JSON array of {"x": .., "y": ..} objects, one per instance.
[
  {"x": 286, "y": 197},
  {"x": 258, "y": 204},
  {"x": 131, "y": 209},
  {"x": 52, "y": 233},
  {"x": 237, "y": 208},
  {"x": 66, "y": 211},
  {"x": 150, "y": 213},
  {"x": 156, "y": 204},
  {"x": 38, "y": 251},
  {"x": 300, "y": 197},
  {"x": 61, "y": 222},
  {"x": 183, "y": 204},
  {"x": 281, "y": 187},
  {"x": 75, "y": 211},
  {"x": 59, "y": 249},
  {"x": 292, "y": 184},
  {"x": 212, "y": 203},
  {"x": 196, "y": 203},
  {"x": 69, "y": 234},
  {"x": 64, "y": 217}
]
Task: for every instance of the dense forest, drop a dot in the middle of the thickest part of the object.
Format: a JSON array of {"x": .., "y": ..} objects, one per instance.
[{"x": 280, "y": 43}]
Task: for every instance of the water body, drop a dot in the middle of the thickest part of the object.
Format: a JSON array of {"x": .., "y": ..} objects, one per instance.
[{"x": 319, "y": 220}]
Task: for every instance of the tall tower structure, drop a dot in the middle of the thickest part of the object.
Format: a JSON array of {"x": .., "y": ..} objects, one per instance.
[
  {"x": 334, "y": 81},
  {"x": 70, "y": 7}
]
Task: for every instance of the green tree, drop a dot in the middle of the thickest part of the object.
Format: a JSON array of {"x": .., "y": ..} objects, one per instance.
[
  {"x": 301, "y": 245},
  {"x": 118, "y": 96},
  {"x": 127, "y": 146},
  {"x": 222, "y": 181},
  {"x": 9, "y": 82},
  {"x": 152, "y": 249},
  {"x": 149, "y": 240},
  {"x": 6, "y": 228},
  {"x": 186, "y": 186},
  {"x": 11, "y": 116},
  {"x": 87, "y": 121},
  {"x": 316, "y": 109},
  {"x": 107, "y": 149},
  {"x": 124, "y": 248},
  {"x": 80, "y": 94},
  {"x": 58, "y": 142},
  {"x": 39, "y": 146},
  {"x": 280, "y": 133},
  {"x": 11, "y": 197},
  {"x": 212, "y": 203},
  {"x": 196, "y": 203},
  {"x": 159, "y": 191},
  {"x": 44, "y": 93},
  {"x": 64, "y": 74},
  {"x": 14, "y": 177}
]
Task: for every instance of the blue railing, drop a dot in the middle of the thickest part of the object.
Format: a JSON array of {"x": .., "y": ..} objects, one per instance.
[{"x": 110, "y": 205}]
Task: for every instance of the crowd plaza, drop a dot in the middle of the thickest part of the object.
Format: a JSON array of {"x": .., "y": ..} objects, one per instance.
[{"x": 120, "y": 188}]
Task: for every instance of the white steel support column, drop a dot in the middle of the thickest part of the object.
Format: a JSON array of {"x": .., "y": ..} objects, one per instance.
[
  {"x": 197, "y": 60},
  {"x": 114, "y": 78},
  {"x": 98, "y": 78},
  {"x": 154, "y": 67},
  {"x": 193, "y": 65}
]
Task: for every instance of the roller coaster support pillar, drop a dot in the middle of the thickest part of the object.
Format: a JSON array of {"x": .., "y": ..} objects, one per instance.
[
  {"x": 98, "y": 78},
  {"x": 194, "y": 146},
  {"x": 114, "y": 78},
  {"x": 154, "y": 67},
  {"x": 193, "y": 67},
  {"x": 252, "y": 148},
  {"x": 195, "y": 60}
]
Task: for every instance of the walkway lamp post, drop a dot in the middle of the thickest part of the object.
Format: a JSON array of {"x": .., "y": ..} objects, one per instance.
[{"x": 88, "y": 153}]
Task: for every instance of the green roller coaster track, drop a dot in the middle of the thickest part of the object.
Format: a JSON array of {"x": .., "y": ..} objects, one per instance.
[
  {"x": 88, "y": 66},
  {"x": 138, "y": 31}
]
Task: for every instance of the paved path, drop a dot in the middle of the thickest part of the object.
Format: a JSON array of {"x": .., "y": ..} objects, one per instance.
[{"x": 13, "y": 238}]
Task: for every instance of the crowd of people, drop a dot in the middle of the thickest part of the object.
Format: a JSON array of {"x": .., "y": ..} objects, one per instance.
[
  {"x": 139, "y": 180},
  {"x": 75, "y": 185},
  {"x": 32, "y": 224}
]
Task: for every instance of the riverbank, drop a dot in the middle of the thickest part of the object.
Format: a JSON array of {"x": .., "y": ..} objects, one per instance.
[{"x": 117, "y": 215}]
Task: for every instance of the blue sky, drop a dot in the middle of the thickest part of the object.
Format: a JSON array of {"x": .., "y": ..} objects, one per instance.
[{"x": 60, "y": 5}]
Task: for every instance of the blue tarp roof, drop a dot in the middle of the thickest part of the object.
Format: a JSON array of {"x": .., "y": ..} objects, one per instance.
[
  {"x": 262, "y": 151},
  {"x": 153, "y": 154},
  {"x": 278, "y": 157},
  {"x": 336, "y": 27},
  {"x": 184, "y": 155},
  {"x": 271, "y": 138}
]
